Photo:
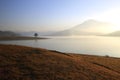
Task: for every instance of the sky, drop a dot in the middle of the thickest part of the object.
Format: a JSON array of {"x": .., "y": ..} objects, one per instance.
[{"x": 55, "y": 15}]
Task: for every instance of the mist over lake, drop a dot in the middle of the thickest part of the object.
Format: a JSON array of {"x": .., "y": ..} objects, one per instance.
[{"x": 91, "y": 45}]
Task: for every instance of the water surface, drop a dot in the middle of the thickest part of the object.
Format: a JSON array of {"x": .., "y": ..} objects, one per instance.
[{"x": 93, "y": 45}]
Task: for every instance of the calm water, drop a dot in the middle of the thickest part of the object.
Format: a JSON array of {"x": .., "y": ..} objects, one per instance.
[{"x": 86, "y": 45}]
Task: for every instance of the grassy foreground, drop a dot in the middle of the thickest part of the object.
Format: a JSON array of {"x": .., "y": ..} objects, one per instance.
[{"x": 26, "y": 63}]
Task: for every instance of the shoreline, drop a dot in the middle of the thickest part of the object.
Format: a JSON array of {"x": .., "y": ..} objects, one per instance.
[{"x": 20, "y": 38}]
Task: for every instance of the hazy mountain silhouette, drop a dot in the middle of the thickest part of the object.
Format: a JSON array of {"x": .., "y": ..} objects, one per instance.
[
  {"x": 116, "y": 33},
  {"x": 8, "y": 33},
  {"x": 89, "y": 27}
]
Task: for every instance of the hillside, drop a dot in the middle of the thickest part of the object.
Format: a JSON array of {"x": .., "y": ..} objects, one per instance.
[
  {"x": 8, "y": 33},
  {"x": 89, "y": 27},
  {"x": 26, "y": 63},
  {"x": 116, "y": 33}
]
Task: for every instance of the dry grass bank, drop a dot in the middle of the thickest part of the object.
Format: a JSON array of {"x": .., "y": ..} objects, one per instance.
[{"x": 26, "y": 63}]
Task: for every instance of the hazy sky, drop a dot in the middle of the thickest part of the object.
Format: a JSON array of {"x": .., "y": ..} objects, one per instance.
[{"x": 50, "y": 15}]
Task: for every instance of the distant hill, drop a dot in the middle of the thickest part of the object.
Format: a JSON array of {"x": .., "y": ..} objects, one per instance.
[
  {"x": 89, "y": 27},
  {"x": 116, "y": 33},
  {"x": 26, "y": 63},
  {"x": 8, "y": 33}
]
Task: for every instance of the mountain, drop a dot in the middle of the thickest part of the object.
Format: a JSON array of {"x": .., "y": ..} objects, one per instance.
[
  {"x": 26, "y": 63},
  {"x": 89, "y": 27},
  {"x": 116, "y": 33},
  {"x": 8, "y": 33}
]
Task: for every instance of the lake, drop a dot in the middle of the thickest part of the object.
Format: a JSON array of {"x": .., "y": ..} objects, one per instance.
[{"x": 92, "y": 45}]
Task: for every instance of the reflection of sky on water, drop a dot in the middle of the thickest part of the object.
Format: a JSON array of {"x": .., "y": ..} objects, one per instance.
[{"x": 86, "y": 45}]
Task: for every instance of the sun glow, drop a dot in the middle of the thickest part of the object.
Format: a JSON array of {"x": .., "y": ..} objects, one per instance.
[
  {"x": 116, "y": 28},
  {"x": 111, "y": 16}
]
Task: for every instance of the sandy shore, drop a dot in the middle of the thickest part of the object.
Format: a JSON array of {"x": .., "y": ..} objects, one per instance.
[{"x": 26, "y": 63}]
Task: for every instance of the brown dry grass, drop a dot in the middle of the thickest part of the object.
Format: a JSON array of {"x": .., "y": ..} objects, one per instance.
[{"x": 26, "y": 63}]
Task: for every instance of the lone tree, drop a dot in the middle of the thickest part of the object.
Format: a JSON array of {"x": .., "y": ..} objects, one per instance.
[{"x": 35, "y": 34}]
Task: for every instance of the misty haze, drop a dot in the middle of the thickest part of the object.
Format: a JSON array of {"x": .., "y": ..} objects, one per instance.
[{"x": 59, "y": 40}]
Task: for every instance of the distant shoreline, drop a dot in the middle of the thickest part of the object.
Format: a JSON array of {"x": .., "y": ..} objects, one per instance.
[{"x": 20, "y": 38}]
